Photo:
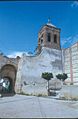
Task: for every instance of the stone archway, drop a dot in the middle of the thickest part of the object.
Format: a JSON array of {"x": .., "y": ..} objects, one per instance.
[{"x": 8, "y": 74}]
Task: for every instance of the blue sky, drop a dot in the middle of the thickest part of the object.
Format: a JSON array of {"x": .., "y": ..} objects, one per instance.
[{"x": 20, "y": 23}]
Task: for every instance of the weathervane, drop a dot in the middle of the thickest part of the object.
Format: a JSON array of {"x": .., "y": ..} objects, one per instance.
[{"x": 49, "y": 20}]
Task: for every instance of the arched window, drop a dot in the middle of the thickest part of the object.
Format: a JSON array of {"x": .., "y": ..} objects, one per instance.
[
  {"x": 49, "y": 37},
  {"x": 41, "y": 41},
  {"x": 55, "y": 38}
]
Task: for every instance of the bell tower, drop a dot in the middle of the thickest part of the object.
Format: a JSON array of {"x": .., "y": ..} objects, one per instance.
[{"x": 49, "y": 36}]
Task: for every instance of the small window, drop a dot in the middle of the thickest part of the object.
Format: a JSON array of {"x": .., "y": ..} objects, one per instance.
[
  {"x": 49, "y": 37},
  {"x": 55, "y": 38},
  {"x": 41, "y": 41}
]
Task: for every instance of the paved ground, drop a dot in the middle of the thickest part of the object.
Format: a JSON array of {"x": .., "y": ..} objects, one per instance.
[{"x": 32, "y": 106}]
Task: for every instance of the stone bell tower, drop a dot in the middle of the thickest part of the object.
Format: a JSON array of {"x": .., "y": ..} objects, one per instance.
[{"x": 49, "y": 36}]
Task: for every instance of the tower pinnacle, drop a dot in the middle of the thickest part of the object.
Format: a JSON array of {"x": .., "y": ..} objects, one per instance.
[{"x": 49, "y": 23}]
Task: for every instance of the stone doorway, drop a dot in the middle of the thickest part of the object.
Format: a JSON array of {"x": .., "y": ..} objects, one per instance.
[{"x": 7, "y": 79}]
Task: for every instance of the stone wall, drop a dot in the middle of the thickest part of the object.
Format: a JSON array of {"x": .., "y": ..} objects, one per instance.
[{"x": 8, "y": 68}]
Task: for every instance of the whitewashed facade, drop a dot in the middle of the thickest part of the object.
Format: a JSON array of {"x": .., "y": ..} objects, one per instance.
[{"x": 30, "y": 69}]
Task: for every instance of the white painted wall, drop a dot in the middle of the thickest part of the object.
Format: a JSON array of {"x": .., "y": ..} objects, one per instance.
[{"x": 30, "y": 69}]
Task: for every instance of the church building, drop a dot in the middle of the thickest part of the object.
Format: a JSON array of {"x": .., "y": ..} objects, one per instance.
[{"x": 48, "y": 58}]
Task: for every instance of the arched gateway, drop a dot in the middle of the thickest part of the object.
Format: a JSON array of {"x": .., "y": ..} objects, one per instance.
[{"x": 8, "y": 78}]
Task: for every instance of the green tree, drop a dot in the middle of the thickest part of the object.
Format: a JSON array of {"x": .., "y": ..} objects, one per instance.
[
  {"x": 59, "y": 76},
  {"x": 64, "y": 77},
  {"x": 47, "y": 76}
]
